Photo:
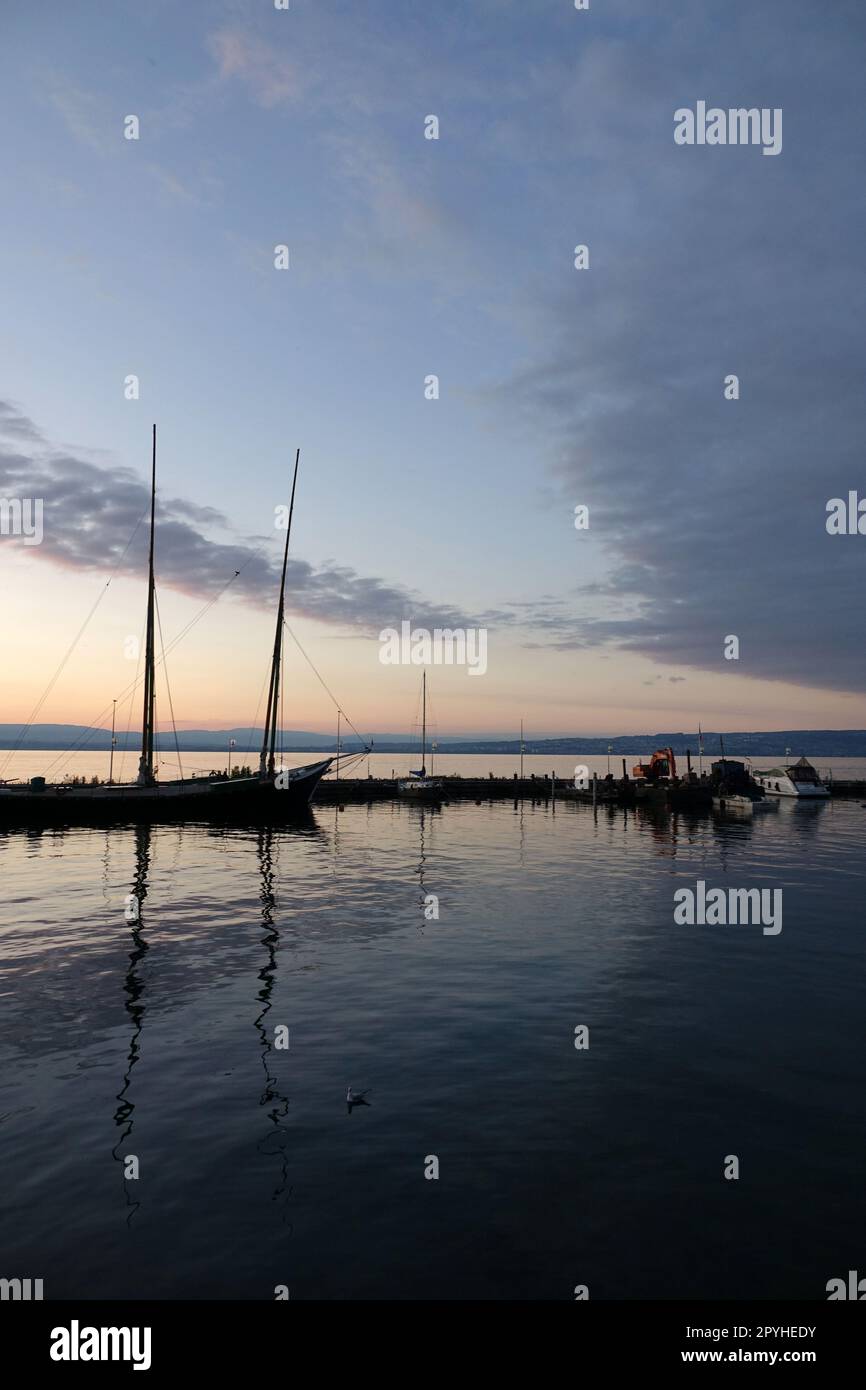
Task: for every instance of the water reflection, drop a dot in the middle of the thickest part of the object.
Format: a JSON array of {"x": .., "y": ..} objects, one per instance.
[
  {"x": 276, "y": 1140},
  {"x": 429, "y": 909},
  {"x": 356, "y": 1098},
  {"x": 134, "y": 988},
  {"x": 700, "y": 1024}
]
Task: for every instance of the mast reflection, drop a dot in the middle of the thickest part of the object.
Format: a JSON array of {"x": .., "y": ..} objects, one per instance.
[
  {"x": 428, "y": 902},
  {"x": 134, "y": 989},
  {"x": 276, "y": 1141}
]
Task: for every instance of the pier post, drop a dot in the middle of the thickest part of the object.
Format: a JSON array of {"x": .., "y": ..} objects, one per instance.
[{"x": 594, "y": 788}]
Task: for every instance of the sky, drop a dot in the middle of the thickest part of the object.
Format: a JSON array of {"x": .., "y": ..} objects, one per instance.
[{"x": 410, "y": 257}]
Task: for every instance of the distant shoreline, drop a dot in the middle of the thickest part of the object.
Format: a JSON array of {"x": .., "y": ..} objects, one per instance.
[{"x": 811, "y": 743}]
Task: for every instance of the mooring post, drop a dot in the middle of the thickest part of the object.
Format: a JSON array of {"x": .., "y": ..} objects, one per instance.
[
  {"x": 594, "y": 788},
  {"x": 553, "y": 786}
]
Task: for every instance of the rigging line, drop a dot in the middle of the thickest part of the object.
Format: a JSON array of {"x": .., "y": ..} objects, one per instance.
[
  {"x": 93, "y": 728},
  {"x": 70, "y": 649},
  {"x": 282, "y": 718},
  {"x": 335, "y": 702},
  {"x": 129, "y": 710},
  {"x": 76, "y": 639},
  {"x": 130, "y": 690},
  {"x": 351, "y": 759},
  {"x": 251, "y": 730},
  {"x": 168, "y": 687},
  {"x": 64, "y": 754}
]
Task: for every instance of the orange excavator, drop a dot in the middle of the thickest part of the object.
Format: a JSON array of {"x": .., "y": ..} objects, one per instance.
[{"x": 661, "y": 764}]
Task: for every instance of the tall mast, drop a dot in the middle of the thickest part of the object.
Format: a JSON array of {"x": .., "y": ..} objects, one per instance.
[
  {"x": 145, "y": 765},
  {"x": 424, "y": 722},
  {"x": 267, "y": 760}
]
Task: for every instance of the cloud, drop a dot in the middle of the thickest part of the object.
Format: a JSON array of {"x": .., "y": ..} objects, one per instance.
[
  {"x": 84, "y": 115},
  {"x": 387, "y": 206},
  {"x": 91, "y": 511},
  {"x": 705, "y": 262},
  {"x": 14, "y": 425},
  {"x": 171, "y": 184},
  {"x": 95, "y": 122},
  {"x": 273, "y": 77}
]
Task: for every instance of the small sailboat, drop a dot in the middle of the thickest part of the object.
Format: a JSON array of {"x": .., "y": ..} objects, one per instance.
[
  {"x": 271, "y": 794},
  {"x": 418, "y": 784}
]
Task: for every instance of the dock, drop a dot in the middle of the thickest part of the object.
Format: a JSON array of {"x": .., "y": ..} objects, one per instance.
[
  {"x": 847, "y": 788},
  {"x": 333, "y": 790},
  {"x": 620, "y": 792}
]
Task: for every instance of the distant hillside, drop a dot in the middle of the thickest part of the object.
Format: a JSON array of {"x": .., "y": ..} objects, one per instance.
[
  {"x": 814, "y": 743},
  {"x": 65, "y": 736}
]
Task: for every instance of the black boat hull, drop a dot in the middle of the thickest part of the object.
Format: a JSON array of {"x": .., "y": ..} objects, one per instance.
[{"x": 199, "y": 800}]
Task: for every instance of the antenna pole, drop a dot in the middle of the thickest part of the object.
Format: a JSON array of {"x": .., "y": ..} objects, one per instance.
[{"x": 111, "y": 758}]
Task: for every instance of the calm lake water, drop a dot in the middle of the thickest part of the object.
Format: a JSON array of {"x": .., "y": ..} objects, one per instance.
[
  {"x": 557, "y": 1166},
  {"x": 57, "y": 766}
]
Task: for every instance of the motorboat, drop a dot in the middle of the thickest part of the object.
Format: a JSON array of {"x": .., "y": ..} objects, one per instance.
[{"x": 798, "y": 779}]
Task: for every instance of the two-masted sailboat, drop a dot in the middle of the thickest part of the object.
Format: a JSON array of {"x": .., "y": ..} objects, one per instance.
[
  {"x": 418, "y": 783},
  {"x": 271, "y": 794}
]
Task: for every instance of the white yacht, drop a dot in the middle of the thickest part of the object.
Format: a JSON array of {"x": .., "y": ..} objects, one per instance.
[{"x": 792, "y": 779}]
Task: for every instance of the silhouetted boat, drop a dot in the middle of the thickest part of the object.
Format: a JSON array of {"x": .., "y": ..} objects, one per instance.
[
  {"x": 734, "y": 791},
  {"x": 270, "y": 795},
  {"x": 418, "y": 784}
]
